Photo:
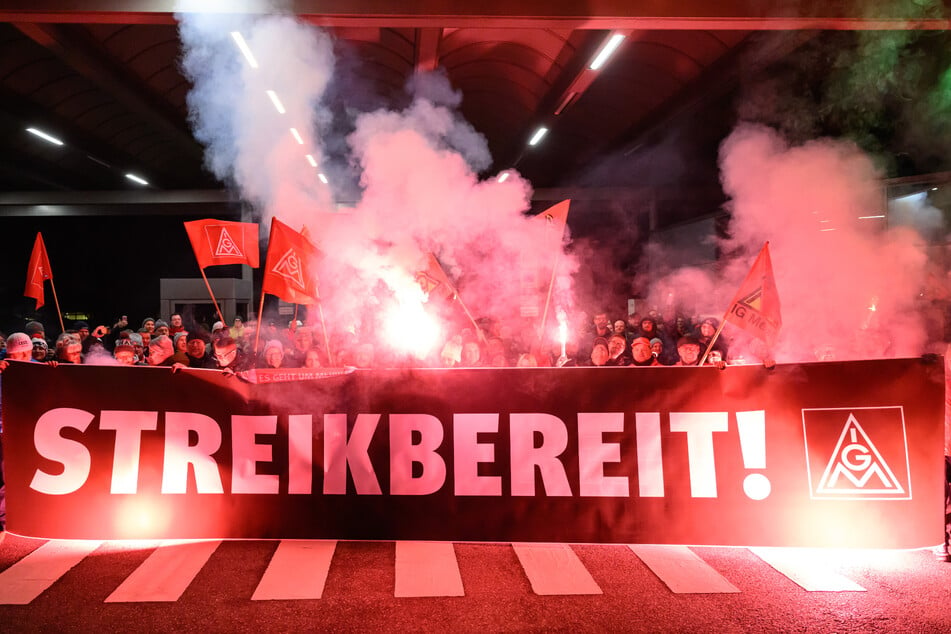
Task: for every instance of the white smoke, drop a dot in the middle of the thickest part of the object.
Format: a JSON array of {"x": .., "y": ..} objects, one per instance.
[{"x": 417, "y": 168}]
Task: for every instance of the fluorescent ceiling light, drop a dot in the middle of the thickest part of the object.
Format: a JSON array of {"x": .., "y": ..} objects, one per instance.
[
  {"x": 297, "y": 136},
  {"x": 323, "y": 179},
  {"x": 44, "y": 136},
  {"x": 504, "y": 176},
  {"x": 137, "y": 179},
  {"x": 277, "y": 102},
  {"x": 606, "y": 51},
  {"x": 311, "y": 160},
  {"x": 870, "y": 217},
  {"x": 244, "y": 48},
  {"x": 539, "y": 133}
]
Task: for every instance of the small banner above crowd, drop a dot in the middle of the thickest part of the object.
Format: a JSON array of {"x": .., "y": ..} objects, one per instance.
[{"x": 824, "y": 454}]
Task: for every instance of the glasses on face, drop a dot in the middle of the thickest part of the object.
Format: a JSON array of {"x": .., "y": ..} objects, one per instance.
[{"x": 226, "y": 356}]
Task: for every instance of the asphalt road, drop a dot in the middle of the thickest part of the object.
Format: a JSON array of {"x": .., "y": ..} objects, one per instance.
[{"x": 901, "y": 591}]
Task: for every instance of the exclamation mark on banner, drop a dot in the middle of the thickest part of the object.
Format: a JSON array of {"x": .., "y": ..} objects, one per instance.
[{"x": 752, "y": 428}]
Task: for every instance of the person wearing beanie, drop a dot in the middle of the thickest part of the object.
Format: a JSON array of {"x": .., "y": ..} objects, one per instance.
[
  {"x": 641, "y": 354},
  {"x": 161, "y": 351},
  {"x": 273, "y": 356},
  {"x": 161, "y": 328},
  {"x": 599, "y": 353},
  {"x": 148, "y": 324},
  {"x": 180, "y": 343},
  {"x": 688, "y": 348},
  {"x": 40, "y": 349},
  {"x": 196, "y": 348},
  {"x": 124, "y": 352},
  {"x": 36, "y": 330}
]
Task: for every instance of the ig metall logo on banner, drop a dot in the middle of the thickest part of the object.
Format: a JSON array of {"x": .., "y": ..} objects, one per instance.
[{"x": 858, "y": 453}]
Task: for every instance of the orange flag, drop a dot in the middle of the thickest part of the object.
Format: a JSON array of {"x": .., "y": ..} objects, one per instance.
[
  {"x": 555, "y": 219},
  {"x": 38, "y": 272},
  {"x": 217, "y": 242},
  {"x": 289, "y": 268},
  {"x": 756, "y": 305},
  {"x": 433, "y": 278}
]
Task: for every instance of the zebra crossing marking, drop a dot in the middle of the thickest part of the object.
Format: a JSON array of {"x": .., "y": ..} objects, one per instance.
[
  {"x": 806, "y": 568},
  {"x": 427, "y": 569},
  {"x": 297, "y": 570},
  {"x": 31, "y": 576},
  {"x": 166, "y": 573},
  {"x": 555, "y": 569},
  {"x": 682, "y": 570}
]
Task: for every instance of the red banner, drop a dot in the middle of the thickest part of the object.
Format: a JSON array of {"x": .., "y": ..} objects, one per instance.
[
  {"x": 820, "y": 454},
  {"x": 218, "y": 242}
]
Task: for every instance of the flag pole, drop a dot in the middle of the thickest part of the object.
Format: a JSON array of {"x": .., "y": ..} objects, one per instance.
[
  {"x": 257, "y": 330},
  {"x": 551, "y": 285},
  {"x": 479, "y": 332},
  {"x": 323, "y": 326},
  {"x": 62, "y": 328},
  {"x": 213, "y": 300}
]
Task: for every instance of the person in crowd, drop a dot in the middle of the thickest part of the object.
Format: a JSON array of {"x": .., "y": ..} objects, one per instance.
[
  {"x": 217, "y": 329},
  {"x": 138, "y": 344},
  {"x": 35, "y": 330},
  {"x": 196, "y": 348},
  {"x": 706, "y": 330},
  {"x": 620, "y": 328},
  {"x": 180, "y": 343},
  {"x": 495, "y": 352},
  {"x": 161, "y": 328},
  {"x": 175, "y": 324},
  {"x": 599, "y": 353},
  {"x": 617, "y": 349},
  {"x": 602, "y": 325},
  {"x": 81, "y": 328},
  {"x": 124, "y": 352},
  {"x": 237, "y": 330},
  {"x": 146, "y": 336},
  {"x": 471, "y": 355},
  {"x": 19, "y": 347},
  {"x": 40, "y": 349},
  {"x": 364, "y": 355},
  {"x": 688, "y": 349},
  {"x": 161, "y": 351},
  {"x": 303, "y": 340},
  {"x": 273, "y": 356},
  {"x": 228, "y": 357},
  {"x": 148, "y": 325},
  {"x": 69, "y": 349},
  {"x": 451, "y": 354},
  {"x": 312, "y": 359},
  {"x": 641, "y": 354},
  {"x": 94, "y": 343}
]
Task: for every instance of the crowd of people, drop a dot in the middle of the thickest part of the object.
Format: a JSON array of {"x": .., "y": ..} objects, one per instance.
[{"x": 639, "y": 341}]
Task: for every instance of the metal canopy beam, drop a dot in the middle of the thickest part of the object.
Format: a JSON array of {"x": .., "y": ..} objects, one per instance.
[{"x": 564, "y": 14}]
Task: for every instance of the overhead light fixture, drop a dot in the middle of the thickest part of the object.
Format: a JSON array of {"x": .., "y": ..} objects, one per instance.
[
  {"x": 311, "y": 160},
  {"x": 277, "y": 102},
  {"x": 137, "y": 179},
  {"x": 539, "y": 134},
  {"x": 297, "y": 136},
  {"x": 934, "y": 189},
  {"x": 323, "y": 179},
  {"x": 244, "y": 48},
  {"x": 504, "y": 176},
  {"x": 606, "y": 51},
  {"x": 46, "y": 137},
  {"x": 870, "y": 217}
]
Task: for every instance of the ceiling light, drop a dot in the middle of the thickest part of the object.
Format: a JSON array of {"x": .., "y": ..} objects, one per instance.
[
  {"x": 311, "y": 160},
  {"x": 323, "y": 179},
  {"x": 137, "y": 179},
  {"x": 539, "y": 133},
  {"x": 934, "y": 189},
  {"x": 245, "y": 50},
  {"x": 602, "y": 57},
  {"x": 277, "y": 102},
  {"x": 870, "y": 217},
  {"x": 503, "y": 177},
  {"x": 297, "y": 136},
  {"x": 44, "y": 136}
]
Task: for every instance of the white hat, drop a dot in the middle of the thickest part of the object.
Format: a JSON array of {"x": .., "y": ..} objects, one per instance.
[
  {"x": 218, "y": 326},
  {"x": 19, "y": 342}
]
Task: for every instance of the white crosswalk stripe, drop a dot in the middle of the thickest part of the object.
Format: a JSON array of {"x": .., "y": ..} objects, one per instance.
[
  {"x": 167, "y": 572},
  {"x": 299, "y": 570}
]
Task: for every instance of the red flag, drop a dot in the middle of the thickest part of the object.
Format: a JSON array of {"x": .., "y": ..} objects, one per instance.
[
  {"x": 433, "y": 278},
  {"x": 756, "y": 305},
  {"x": 218, "y": 242},
  {"x": 38, "y": 272},
  {"x": 555, "y": 219},
  {"x": 289, "y": 269}
]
